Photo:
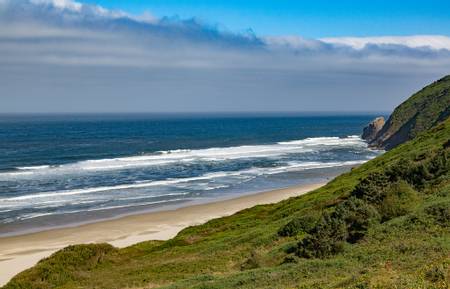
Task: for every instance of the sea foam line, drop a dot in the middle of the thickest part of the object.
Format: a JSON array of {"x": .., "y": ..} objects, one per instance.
[
  {"x": 35, "y": 215},
  {"x": 248, "y": 173},
  {"x": 112, "y": 188},
  {"x": 185, "y": 155}
]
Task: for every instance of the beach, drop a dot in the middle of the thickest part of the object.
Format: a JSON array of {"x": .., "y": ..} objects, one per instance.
[{"x": 18, "y": 253}]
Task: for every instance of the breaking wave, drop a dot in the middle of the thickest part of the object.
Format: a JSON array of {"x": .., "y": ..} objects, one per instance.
[{"x": 170, "y": 157}]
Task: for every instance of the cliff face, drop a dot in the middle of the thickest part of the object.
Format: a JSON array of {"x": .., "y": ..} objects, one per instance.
[
  {"x": 423, "y": 110},
  {"x": 371, "y": 130}
]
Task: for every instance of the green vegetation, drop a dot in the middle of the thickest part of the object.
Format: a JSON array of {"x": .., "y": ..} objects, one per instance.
[
  {"x": 385, "y": 224},
  {"x": 419, "y": 113}
]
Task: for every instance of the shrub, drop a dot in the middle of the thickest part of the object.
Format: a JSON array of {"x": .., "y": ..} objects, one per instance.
[
  {"x": 290, "y": 248},
  {"x": 388, "y": 193},
  {"x": 348, "y": 223},
  {"x": 440, "y": 212},
  {"x": 419, "y": 173},
  {"x": 290, "y": 259},
  {"x": 326, "y": 239},
  {"x": 378, "y": 197},
  {"x": 358, "y": 215},
  {"x": 372, "y": 188},
  {"x": 298, "y": 225},
  {"x": 400, "y": 200},
  {"x": 440, "y": 164}
]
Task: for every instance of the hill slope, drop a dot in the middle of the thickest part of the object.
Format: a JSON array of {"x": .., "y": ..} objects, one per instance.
[{"x": 420, "y": 112}]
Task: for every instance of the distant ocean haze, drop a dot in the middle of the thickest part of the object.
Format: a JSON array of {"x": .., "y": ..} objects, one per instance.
[{"x": 65, "y": 169}]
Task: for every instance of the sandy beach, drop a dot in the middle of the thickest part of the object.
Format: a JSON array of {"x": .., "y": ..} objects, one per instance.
[{"x": 21, "y": 252}]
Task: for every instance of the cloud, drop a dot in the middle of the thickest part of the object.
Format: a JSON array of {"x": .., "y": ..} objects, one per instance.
[
  {"x": 62, "y": 4},
  {"x": 71, "y": 14},
  {"x": 97, "y": 51},
  {"x": 434, "y": 42},
  {"x": 419, "y": 46},
  {"x": 69, "y": 33}
]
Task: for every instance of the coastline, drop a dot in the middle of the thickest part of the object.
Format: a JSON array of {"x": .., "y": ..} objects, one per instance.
[{"x": 18, "y": 253}]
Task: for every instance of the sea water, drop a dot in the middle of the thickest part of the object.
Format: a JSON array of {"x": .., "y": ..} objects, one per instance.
[{"x": 59, "y": 170}]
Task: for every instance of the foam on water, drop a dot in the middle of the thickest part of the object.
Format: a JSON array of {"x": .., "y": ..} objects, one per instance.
[
  {"x": 136, "y": 185},
  {"x": 36, "y": 215},
  {"x": 171, "y": 157},
  {"x": 209, "y": 181}
]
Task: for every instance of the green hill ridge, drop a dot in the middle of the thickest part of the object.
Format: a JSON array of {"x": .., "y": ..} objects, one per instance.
[
  {"x": 420, "y": 112},
  {"x": 384, "y": 224}
]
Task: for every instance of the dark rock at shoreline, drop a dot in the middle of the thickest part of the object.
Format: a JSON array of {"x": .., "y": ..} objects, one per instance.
[{"x": 371, "y": 130}]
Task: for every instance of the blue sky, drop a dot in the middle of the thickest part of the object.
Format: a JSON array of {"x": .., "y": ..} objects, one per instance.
[{"x": 312, "y": 19}]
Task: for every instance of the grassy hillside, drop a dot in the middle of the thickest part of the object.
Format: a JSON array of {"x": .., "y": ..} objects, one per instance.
[
  {"x": 420, "y": 112},
  {"x": 385, "y": 224}
]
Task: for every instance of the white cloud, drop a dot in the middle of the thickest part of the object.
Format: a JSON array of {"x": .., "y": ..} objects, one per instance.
[
  {"x": 293, "y": 42},
  {"x": 66, "y": 32},
  {"x": 62, "y": 4},
  {"x": 415, "y": 41},
  {"x": 70, "y": 15}
]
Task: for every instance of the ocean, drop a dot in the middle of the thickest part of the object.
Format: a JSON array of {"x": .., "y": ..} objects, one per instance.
[{"x": 63, "y": 170}]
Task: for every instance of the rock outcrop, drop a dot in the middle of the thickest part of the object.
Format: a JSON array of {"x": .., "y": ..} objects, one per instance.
[
  {"x": 371, "y": 130},
  {"x": 423, "y": 110}
]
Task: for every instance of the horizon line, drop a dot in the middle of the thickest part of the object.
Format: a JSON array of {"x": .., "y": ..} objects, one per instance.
[{"x": 195, "y": 112}]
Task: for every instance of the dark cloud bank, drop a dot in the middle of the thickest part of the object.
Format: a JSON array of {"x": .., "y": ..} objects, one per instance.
[{"x": 62, "y": 56}]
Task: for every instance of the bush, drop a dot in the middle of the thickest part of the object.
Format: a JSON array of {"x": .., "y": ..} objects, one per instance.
[
  {"x": 372, "y": 188},
  {"x": 348, "y": 223},
  {"x": 378, "y": 197},
  {"x": 326, "y": 239},
  {"x": 419, "y": 173},
  {"x": 290, "y": 259},
  {"x": 440, "y": 164},
  {"x": 290, "y": 248},
  {"x": 440, "y": 212},
  {"x": 400, "y": 200},
  {"x": 358, "y": 215},
  {"x": 389, "y": 194},
  {"x": 298, "y": 225}
]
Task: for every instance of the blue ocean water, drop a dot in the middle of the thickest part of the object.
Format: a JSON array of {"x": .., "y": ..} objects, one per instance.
[{"x": 64, "y": 169}]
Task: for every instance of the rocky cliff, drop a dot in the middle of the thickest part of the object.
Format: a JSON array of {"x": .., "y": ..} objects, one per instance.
[{"x": 371, "y": 130}]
